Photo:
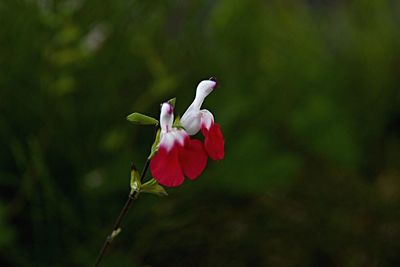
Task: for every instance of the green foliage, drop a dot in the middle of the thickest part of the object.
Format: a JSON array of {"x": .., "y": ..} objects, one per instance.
[
  {"x": 177, "y": 123},
  {"x": 141, "y": 119},
  {"x": 154, "y": 146},
  {"x": 172, "y": 101},
  {"x": 115, "y": 233},
  {"x": 135, "y": 180},
  {"x": 153, "y": 187},
  {"x": 308, "y": 101}
]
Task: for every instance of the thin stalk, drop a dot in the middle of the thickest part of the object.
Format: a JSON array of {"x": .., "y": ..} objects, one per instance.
[{"x": 118, "y": 222}]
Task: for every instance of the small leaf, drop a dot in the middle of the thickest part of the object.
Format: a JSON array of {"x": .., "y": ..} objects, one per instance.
[
  {"x": 154, "y": 147},
  {"x": 141, "y": 119},
  {"x": 177, "y": 123},
  {"x": 172, "y": 101},
  {"x": 135, "y": 179},
  {"x": 115, "y": 233},
  {"x": 153, "y": 187}
]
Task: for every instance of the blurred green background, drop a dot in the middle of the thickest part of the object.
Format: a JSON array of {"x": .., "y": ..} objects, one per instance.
[{"x": 309, "y": 104}]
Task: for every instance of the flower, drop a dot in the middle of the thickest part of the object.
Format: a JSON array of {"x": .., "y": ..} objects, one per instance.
[
  {"x": 194, "y": 120},
  {"x": 177, "y": 154}
]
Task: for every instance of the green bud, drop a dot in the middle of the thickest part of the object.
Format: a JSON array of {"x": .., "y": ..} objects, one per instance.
[
  {"x": 135, "y": 180},
  {"x": 115, "y": 233}
]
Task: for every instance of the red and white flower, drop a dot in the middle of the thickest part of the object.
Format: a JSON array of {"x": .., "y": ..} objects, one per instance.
[
  {"x": 194, "y": 120},
  {"x": 177, "y": 154}
]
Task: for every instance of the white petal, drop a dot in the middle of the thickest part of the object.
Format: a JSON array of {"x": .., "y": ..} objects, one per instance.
[
  {"x": 167, "y": 140},
  {"x": 205, "y": 88},
  {"x": 171, "y": 138},
  {"x": 191, "y": 121},
  {"x": 166, "y": 117},
  {"x": 207, "y": 118},
  {"x": 180, "y": 136}
]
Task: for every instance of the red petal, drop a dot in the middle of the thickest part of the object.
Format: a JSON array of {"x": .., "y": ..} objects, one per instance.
[
  {"x": 193, "y": 158},
  {"x": 165, "y": 167},
  {"x": 214, "y": 141}
]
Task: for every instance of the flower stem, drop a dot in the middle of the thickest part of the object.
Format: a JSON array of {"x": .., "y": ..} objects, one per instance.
[
  {"x": 118, "y": 222},
  {"x": 117, "y": 225}
]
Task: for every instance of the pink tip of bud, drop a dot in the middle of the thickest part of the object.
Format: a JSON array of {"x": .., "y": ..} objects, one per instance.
[
  {"x": 167, "y": 107},
  {"x": 171, "y": 109},
  {"x": 214, "y": 79}
]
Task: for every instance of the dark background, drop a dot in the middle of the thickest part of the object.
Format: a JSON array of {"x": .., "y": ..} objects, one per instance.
[{"x": 308, "y": 103}]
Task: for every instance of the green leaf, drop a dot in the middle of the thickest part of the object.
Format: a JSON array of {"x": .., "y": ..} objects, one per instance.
[
  {"x": 141, "y": 119},
  {"x": 152, "y": 187},
  {"x": 115, "y": 233},
  {"x": 135, "y": 179},
  {"x": 172, "y": 101},
  {"x": 154, "y": 147},
  {"x": 177, "y": 123}
]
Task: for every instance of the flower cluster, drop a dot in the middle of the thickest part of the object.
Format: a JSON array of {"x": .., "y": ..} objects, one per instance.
[{"x": 178, "y": 155}]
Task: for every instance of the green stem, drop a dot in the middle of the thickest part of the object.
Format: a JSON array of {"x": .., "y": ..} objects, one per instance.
[{"x": 117, "y": 225}]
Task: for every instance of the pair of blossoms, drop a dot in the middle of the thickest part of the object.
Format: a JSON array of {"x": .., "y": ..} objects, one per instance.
[{"x": 178, "y": 155}]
